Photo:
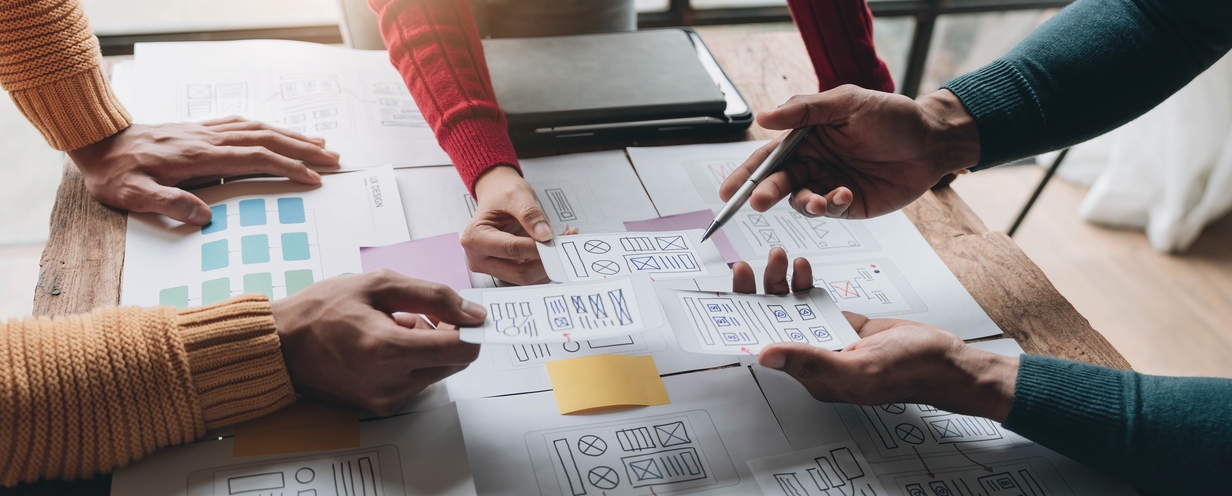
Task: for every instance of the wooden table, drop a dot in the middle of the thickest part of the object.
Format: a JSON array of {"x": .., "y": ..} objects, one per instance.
[{"x": 81, "y": 266}]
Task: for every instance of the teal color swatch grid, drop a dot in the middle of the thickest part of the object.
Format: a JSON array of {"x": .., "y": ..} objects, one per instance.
[{"x": 254, "y": 249}]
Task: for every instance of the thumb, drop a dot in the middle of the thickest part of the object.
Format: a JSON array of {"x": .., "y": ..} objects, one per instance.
[
  {"x": 801, "y": 361},
  {"x": 394, "y": 292},
  {"x": 829, "y": 107},
  {"x": 533, "y": 219},
  {"x": 170, "y": 201}
]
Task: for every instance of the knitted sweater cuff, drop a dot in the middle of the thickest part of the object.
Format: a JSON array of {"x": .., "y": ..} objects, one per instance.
[
  {"x": 476, "y": 145},
  {"x": 74, "y": 111},
  {"x": 1005, "y": 109},
  {"x": 1078, "y": 409},
  {"x": 235, "y": 359}
]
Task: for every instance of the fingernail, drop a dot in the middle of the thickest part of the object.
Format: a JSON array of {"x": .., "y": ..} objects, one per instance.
[
  {"x": 808, "y": 207},
  {"x": 543, "y": 232},
  {"x": 199, "y": 217},
  {"x": 774, "y": 361},
  {"x": 474, "y": 310},
  {"x": 839, "y": 200}
]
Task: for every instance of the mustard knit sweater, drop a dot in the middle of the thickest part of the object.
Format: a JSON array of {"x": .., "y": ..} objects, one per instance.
[{"x": 86, "y": 394}]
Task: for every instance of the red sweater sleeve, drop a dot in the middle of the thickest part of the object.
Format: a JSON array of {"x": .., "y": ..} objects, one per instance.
[
  {"x": 839, "y": 38},
  {"x": 435, "y": 45}
]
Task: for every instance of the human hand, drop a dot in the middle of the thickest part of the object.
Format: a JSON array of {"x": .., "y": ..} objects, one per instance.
[
  {"x": 895, "y": 361},
  {"x": 343, "y": 341},
  {"x": 870, "y": 153},
  {"x": 137, "y": 168},
  {"x": 500, "y": 239}
]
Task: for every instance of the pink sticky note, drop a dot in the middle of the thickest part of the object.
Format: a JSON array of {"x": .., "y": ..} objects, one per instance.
[
  {"x": 437, "y": 259},
  {"x": 700, "y": 219}
]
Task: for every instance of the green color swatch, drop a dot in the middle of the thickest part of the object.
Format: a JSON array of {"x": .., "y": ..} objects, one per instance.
[
  {"x": 262, "y": 283},
  {"x": 295, "y": 246},
  {"x": 214, "y": 255},
  {"x": 215, "y": 290},
  {"x": 176, "y": 297},
  {"x": 255, "y": 248},
  {"x": 297, "y": 280}
]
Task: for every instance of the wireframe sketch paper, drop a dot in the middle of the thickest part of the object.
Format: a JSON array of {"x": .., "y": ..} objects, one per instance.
[
  {"x": 700, "y": 219},
  {"x": 743, "y": 324},
  {"x": 271, "y": 237},
  {"x": 417, "y": 454},
  {"x": 878, "y": 267},
  {"x": 661, "y": 255},
  {"x": 521, "y": 368},
  {"x": 904, "y": 443},
  {"x": 699, "y": 443},
  {"x": 354, "y": 99},
  {"x": 837, "y": 468},
  {"x": 558, "y": 313}
]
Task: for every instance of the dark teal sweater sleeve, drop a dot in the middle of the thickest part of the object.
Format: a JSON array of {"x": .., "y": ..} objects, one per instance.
[
  {"x": 1091, "y": 68},
  {"x": 1164, "y": 435}
]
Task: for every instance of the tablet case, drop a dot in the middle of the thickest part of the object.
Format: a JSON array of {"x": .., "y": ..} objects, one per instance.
[{"x": 562, "y": 81}]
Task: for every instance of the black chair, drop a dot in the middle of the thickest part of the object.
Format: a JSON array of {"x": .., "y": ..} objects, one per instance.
[{"x": 1052, "y": 169}]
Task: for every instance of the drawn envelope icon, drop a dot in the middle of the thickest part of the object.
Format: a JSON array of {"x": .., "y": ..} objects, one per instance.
[
  {"x": 671, "y": 243},
  {"x": 644, "y": 470},
  {"x": 644, "y": 263}
]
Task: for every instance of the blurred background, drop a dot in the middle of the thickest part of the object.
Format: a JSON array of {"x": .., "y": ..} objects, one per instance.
[{"x": 1166, "y": 313}]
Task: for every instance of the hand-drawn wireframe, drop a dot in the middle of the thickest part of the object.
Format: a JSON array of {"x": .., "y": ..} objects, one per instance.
[
  {"x": 832, "y": 470},
  {"x": 394, "y": 106},
  {"x": 1026, "y": 477},
  {"x": 566, "y": 313},
  {"x": 663, "y": 255},
  {"x": 732, "y": 323},
  {"x": 365, "y": 472},
  {"x": 799, "y": 235},
  {"x": 626, "y": 457},
  {"x": 519, "y": 356},
  {"x": 562, "y": 202},
  {"x": 871, "y": 288},
  {"x": 309, "y": 103},
  {"x": 202, "y": 100},
  {"x": 906, "y": 430}
]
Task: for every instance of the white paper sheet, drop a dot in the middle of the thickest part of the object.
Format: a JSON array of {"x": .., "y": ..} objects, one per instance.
[
  {"x": 901, "y": 439},
  {"x": 662, "y": 255},
  {"x": 836, "y": 469},
  {"x": 699, "y": 443},
  {"x": 416, "y": 454},
  {"x": 354, "y": 99},
  {"x": 561, "y": 313},
  {"x": 878, "y": 267},
  {"x": 743, "y": 324},
  {"x": 267, "y": 236}
]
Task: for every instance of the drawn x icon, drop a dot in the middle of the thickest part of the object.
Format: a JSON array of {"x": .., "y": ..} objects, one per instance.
[
  {"x": 671, "y": 243},
  {"x": 645, "y": 469},
  {"x": 672, "y": 434},
  {"x": 945, "y": 428}
]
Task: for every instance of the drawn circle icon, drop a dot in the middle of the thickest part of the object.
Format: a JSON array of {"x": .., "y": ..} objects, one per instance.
[
  {"x": 909, "y": 433},
  {"x": 796, "y": 336},
  {"x": 895, "y": 408},
  {"x": 592, "y": 445},
  {"x": 305, "y": 475},
  {"x": 597, "y": 247},
  {"x": 572, "y": 346},
  {"x": 605, "y": 267},
  {"x": 603, "y": 477}
]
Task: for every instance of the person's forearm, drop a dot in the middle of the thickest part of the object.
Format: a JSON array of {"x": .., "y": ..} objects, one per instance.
[
  {"x": 435, "y": 45},
  {"x": 49, "y": 64},
  {"x": 1093, "y": 67},
  {"x": 1165, "y": 435},
  {"x": 84, "y": 394}
]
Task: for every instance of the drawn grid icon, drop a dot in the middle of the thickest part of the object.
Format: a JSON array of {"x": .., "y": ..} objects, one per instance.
[
  {"x": 635, "y": 439},
  {"x": 672, "y": 434},
  {"x": 637, "y": 244}
]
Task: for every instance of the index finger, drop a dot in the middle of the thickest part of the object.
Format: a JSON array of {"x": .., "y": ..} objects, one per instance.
[
  {"x": 492, "y": 242},
  {"x": 742, "y": 173},
  {"x": 393, "y": 292}
]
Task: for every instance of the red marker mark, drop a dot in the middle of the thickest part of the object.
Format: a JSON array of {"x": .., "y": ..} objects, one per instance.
[
  {"x": 746, "y": 350},
  {"x": 567, "y": 338},
  {"x": 651, "y": 278},
  {"x": 716, "y": 293},
  {"x": 931, "y": 475},
  {"x": 960, "y": 451},
  {"x": 652, "y": 491}
]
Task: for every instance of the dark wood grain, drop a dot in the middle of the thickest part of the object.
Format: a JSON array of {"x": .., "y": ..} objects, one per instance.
[{"x": 84, "y": 258}]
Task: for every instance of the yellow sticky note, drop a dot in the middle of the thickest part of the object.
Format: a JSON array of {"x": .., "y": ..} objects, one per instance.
[
  {"x": 304, "y": 426},
  {"x": 603, "y": 381}
]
